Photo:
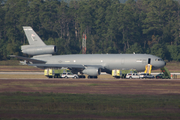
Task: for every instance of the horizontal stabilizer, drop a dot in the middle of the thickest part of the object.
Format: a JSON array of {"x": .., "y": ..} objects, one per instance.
[{"x": 29, "y": 59}]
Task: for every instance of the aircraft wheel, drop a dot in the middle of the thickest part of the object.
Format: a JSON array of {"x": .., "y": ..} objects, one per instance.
[
  {"x": 75, "y": 77},
  {"x": 95, "y": 77},
  {"x": 82, "y": 76},
  {"x": 117, "y": 77},
  {"x": 65, "y": 77}
]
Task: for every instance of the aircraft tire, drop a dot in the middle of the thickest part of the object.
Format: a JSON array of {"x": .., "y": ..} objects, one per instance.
[
  {"x": 95, "y": 77},
  {"x": 65, "y": 77},
  {"x": 82, "y": 76},
  {"x": 157, "y": 77}
]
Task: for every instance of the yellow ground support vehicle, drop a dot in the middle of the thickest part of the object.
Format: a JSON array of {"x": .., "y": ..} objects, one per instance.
[
  {"x": 122, "y": 73},
  {"x": 54, "y": 73}
]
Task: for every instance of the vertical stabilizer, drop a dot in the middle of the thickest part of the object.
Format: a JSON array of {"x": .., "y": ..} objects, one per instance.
[{"x": 32, "y": 37}]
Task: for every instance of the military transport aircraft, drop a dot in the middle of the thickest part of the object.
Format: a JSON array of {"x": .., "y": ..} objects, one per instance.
[{"x": 90, "y": 64}]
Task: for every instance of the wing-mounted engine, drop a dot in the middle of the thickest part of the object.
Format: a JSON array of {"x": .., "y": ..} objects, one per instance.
[
  {"x": 38, "y": 50},
  {"x": 92, "y": 71}
]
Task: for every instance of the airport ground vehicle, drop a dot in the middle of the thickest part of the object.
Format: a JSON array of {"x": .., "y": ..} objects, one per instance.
[
  {"x": 132, "y": 75},
  {"x": 164, "y": 75},
  {"x": 122, "y": 73},
  {"x": 146, "y": 75},
  {"x": 54, "y": 73},
  {"x": 69, "y": 75}
]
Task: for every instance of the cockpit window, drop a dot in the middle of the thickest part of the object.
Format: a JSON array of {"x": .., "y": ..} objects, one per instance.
[{"x": 158, "y": 60}]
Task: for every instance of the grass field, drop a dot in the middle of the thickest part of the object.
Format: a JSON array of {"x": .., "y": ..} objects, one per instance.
[
  {"x": 48, "y": 106},
  {"x": 22, "y": 76},
  {"x": 63, "y": 106}
]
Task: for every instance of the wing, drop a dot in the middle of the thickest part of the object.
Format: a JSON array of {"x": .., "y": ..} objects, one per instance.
[
  {"x": 71, "y": 66},
  {"x": 41, "y": 64},
  {"x": 78, "y": 66},
  {"x": 29, "y": 59}
]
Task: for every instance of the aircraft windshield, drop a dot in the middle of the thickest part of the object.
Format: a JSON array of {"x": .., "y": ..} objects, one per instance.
[{"x": 158, "y": 60}]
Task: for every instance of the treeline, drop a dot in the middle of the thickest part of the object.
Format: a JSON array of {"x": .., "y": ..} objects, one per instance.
[
  {"x": 67, "y": 1},
  {"x": 142, "y": 26}
]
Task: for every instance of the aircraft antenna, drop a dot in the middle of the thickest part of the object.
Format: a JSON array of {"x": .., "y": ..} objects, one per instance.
[{"x": 84, "y": 43}]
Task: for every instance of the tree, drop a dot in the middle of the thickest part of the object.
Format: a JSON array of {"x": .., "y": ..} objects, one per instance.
[
  {"x": 159, "y": 50},
  {"x": 128, "y": 25},
  {"x": 173, "y": 52},
  {"x": 160, "y": 16},
  {"x": 136, "y": 48}
]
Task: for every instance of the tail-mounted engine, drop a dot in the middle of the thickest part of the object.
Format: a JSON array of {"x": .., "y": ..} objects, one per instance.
[{"x": 38, "y": 50}]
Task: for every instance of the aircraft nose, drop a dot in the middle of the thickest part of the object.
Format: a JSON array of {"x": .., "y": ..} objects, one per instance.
[{"x": 162, "y": 64}]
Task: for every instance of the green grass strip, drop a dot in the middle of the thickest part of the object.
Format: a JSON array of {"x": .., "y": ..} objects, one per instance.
[{"x": 21, "y": 105}]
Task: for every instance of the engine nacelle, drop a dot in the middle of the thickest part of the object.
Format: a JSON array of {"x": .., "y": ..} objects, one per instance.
[
  {"x": 92, "y": 71},
  {"x": 38, "y": 50}
]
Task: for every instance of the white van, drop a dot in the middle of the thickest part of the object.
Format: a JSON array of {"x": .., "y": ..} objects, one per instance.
[
  {"x": 69, "y": 75},
  {"x": 132, "y": 75}
]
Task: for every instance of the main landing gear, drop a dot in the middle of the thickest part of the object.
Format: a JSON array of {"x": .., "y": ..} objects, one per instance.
[{"x": 95, "y": 77}]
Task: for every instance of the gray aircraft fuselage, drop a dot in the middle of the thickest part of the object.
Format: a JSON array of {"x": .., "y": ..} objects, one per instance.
[{"x": 108, "y": 61}]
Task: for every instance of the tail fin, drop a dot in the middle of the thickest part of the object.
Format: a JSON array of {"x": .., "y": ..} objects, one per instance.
[{"x": 32, "y": 37}]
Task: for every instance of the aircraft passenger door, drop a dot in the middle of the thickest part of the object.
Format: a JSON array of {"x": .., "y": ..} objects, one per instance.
[{"x": 149, "y": 60}]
